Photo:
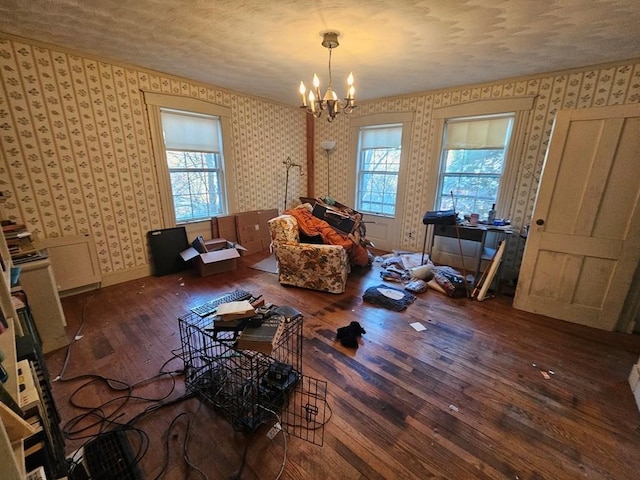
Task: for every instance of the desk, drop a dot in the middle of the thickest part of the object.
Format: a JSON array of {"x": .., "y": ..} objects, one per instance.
[{"x": 477, "y": 233}]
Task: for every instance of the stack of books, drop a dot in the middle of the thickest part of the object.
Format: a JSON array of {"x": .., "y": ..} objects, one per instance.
[
  {"x": 21, "y": 247},
  {"x": 262, "y": 337}
]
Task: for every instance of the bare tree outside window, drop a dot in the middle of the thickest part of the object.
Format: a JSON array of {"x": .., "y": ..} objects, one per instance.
[
  {"x": 473, "y": 161},
  {"x": 195, "y": 183},
  {"x": 193, "y": 149},
  {"x": 379, "y": 156}
]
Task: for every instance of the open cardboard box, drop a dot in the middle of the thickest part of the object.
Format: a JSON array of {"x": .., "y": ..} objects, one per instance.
[{"x": 221, "y": 256}]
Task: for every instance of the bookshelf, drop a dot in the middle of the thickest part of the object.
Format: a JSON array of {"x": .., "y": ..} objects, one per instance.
[
  {"x": 12, "y": 428},
  {"x": 28, "y": 441}
]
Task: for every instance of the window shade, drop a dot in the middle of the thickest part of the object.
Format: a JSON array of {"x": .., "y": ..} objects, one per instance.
[
  {"x": 190, "y": 132},
  {"x": 491, "y": 133},
  {"x": 385, "y": 137}
]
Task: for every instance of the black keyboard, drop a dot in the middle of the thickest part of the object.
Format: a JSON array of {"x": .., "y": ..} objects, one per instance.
[{"x": 212, "y": 305}]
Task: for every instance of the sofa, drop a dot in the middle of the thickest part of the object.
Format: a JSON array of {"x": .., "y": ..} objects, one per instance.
[{"x": 308, "y": 265}]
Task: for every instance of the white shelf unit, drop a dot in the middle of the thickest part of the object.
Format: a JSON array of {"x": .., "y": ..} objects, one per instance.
[{"x": 11, "y": 426}]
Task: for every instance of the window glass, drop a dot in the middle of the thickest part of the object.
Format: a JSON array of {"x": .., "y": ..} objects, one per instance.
[
  {"x": 378, "y": 169},
  {"x": 194, "y": 156},
  {"x": 473, "y": 161}
]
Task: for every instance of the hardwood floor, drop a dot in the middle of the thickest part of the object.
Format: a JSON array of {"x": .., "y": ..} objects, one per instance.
[{"x": 464, "y": 399}]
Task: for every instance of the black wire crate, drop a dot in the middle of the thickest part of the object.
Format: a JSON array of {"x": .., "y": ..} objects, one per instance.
[
  {"x": 250, "y": 387},
  {"x": 305, "y": 415}
]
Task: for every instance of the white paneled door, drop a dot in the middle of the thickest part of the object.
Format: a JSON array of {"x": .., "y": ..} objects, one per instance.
[{"x": 584, "y": 242}]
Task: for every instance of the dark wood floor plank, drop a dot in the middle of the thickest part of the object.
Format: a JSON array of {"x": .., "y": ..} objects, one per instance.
[{"x": 464, "y": 399}]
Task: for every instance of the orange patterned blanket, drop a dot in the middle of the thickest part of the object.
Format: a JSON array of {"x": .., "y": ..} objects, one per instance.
[{"x": 311, "y": 226}]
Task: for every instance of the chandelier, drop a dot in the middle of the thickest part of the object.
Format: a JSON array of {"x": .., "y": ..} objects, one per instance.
[{"x": 330, "y": 102}]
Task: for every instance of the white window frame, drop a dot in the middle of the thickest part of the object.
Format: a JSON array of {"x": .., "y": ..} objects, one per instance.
[
  {"x": 442, "y": 173},
  {"x": 521, "y": 107},
  {"x": 361, "y": 172},
  {"x": 403, "y": 119},
  {"x": 157, "y": 101}
]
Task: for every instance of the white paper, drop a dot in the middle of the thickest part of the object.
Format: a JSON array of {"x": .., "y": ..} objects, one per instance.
[
  {"x": 393, "y": 294},
  {"x": 418, "y": 326}
]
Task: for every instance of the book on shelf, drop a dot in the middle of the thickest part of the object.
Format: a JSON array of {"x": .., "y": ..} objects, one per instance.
[
  {"x": 29, "y": 395},
  {"x": 12, "y": 229},
  {"x": 261, "y": 338}
]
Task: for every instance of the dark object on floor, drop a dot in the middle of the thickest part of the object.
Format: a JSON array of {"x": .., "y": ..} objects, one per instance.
[
  {"x": 349, "y": 335},
  {"x": 388, "y": 297},
  {"x": 416, "y": 286},
  {"x": 110, "y": 456},
  {"x": 453, "y": 285},
  {"x": 166, "y": 245}
]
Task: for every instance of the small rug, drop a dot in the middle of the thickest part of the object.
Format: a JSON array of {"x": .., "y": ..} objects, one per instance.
[{"x": 269, "y": 265}]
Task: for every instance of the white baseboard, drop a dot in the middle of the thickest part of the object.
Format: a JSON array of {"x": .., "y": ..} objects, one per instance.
[{"x": 126, "y": 275}]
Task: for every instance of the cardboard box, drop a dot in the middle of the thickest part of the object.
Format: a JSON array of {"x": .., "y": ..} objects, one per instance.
[
  {"x": 221, "y": 256},
  {"x": 253, "y": 230},
  {"x": 224, "y": 227}
]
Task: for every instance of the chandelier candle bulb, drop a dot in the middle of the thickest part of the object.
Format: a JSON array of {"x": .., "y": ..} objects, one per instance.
[
  {"x": 351, "y": 90},
  {"x": 303, "y": 90},
  {"x": 316, "y": 83},
  {"x": 312, "y": 101}
]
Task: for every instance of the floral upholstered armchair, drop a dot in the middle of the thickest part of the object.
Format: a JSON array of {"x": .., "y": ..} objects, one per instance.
[{"x": 307, "y": 265}]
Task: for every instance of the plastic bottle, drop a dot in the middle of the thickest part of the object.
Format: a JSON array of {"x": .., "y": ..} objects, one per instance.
[{"x": 492, "y": 214}]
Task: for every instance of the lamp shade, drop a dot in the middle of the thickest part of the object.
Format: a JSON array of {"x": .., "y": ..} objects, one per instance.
[{"x": 328, "y": 145}]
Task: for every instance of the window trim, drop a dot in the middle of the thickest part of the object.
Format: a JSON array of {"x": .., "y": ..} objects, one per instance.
[
  {"x": 360, "y": 171},
  {"x": 521, "y": 107},
  {"x": 405, "y": 119},
  {"x": 441, "y": 171},
  {"x": 154, "y": 102}
]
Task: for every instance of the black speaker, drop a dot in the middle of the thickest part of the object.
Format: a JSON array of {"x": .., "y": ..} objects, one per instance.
[{"x": 166, "y": 245}]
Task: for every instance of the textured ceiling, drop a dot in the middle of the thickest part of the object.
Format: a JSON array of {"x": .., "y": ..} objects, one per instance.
[{"x": 394, "y": 47}]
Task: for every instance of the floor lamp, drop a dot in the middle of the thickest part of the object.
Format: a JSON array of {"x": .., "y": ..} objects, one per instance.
[
  {"x": 328, "y": 146},
  {"x": 289, "y": 164}
]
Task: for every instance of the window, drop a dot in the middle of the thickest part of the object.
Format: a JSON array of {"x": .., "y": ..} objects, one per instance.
[
  {"x": 379, "y": 149},
  {"x": 193, "y": 157},
  {"x": 193, "y": 147},
  {"x": 472, "y": 162}
]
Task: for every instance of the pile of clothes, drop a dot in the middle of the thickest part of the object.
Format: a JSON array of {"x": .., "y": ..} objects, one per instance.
[{"x": 418, "y": 274}]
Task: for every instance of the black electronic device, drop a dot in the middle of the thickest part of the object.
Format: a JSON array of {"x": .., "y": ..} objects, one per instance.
[
  {"x": 440, "y": 217},
  {"x": 276, "y": 383},
  {"x": 289, "y": 313},
  {"x": 212, "y": 305},
  {"x": 110, "y": 455},
  {"x": 166, "y": 245}
]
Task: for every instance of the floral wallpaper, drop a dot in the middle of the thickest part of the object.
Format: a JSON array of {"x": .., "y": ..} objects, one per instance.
[
  {"x": 76, "y": 153},
  {"x": 75, "y": 149},
  {"x": 582, "y": 88}
]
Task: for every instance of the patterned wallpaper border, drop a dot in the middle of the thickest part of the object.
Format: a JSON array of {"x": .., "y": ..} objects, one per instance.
[{"x": 76, "y": 154}]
